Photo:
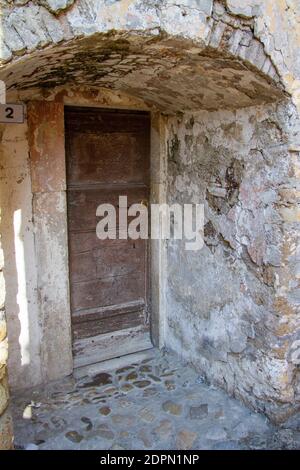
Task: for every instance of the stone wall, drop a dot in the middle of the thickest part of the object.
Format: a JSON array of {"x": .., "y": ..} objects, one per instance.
[{"x": 223, "y": 301}]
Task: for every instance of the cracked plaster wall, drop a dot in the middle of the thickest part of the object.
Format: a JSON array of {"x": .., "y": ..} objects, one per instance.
[{"x": 227, "y": 312}]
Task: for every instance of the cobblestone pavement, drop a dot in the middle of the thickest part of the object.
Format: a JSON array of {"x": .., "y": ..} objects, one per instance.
[{"x": 158, "y": 403}]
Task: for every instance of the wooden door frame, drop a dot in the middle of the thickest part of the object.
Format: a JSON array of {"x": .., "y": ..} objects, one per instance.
[{"x": 157, "y": 263}]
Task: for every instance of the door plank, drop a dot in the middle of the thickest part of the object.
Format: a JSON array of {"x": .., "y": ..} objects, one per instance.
[
  {"x": 111, "y": 259},
  {"x": 108, "y": 324},
  {"x": 83, "y": 203},
  {"x": 107, "y": 291},
  {"x": 104, "y": 312}
]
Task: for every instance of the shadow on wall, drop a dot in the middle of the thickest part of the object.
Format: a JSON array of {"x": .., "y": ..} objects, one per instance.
[{"x": 19, "y": 261}]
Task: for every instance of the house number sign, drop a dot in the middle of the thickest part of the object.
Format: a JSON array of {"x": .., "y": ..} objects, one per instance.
[{"x": 13, "y": 113}]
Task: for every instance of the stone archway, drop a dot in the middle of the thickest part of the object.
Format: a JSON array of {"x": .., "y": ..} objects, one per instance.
[
  {"x": 223, "y": 66},
  {"x": 226, "y": 131}
]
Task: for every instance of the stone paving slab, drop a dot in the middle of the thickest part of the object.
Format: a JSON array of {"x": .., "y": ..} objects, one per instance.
[{"x": 157, "y": 403}]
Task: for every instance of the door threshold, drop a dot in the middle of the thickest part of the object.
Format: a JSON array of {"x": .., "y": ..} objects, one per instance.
[
  {"x": 91, "y": 350},
  {"x": 112, "y": 364}
]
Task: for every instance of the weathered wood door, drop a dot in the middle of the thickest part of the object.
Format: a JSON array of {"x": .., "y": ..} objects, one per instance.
[{"x": 107, "y": 157}]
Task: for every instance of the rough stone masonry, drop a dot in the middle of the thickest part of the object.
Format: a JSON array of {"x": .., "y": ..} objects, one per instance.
[{"x": 225, "y": 77}]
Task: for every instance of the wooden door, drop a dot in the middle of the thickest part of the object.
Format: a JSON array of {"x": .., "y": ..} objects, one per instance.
[{"x": 108, "y": 155}]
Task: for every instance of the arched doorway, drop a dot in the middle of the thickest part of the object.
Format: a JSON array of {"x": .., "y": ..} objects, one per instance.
[{"x": 218, "y": 135}]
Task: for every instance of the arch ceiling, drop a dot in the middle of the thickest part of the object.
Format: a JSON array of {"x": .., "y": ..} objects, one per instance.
[{"x": 226, "y": 67}]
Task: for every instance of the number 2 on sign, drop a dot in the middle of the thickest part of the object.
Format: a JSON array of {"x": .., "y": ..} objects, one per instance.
[{"x": 9, "y": 112}]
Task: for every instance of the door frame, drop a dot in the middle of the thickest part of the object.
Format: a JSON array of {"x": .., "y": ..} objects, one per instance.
[{"x": 157, "y": 263}]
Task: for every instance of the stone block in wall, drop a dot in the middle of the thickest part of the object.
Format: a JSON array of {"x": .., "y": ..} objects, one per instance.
[
  {"x": 6, "y": 431},
  {"x": 3, "y": 352},
  {"x": 205, "y": 6},
  {"x": 2, "y": 290},
  {"x": 217, "y": 33},
  {"x": 47, "y": 146},
  {"x": 56, "y": 6},
  {"x": 4, "y": 395},
  {"x": 2, "y": 328}
]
